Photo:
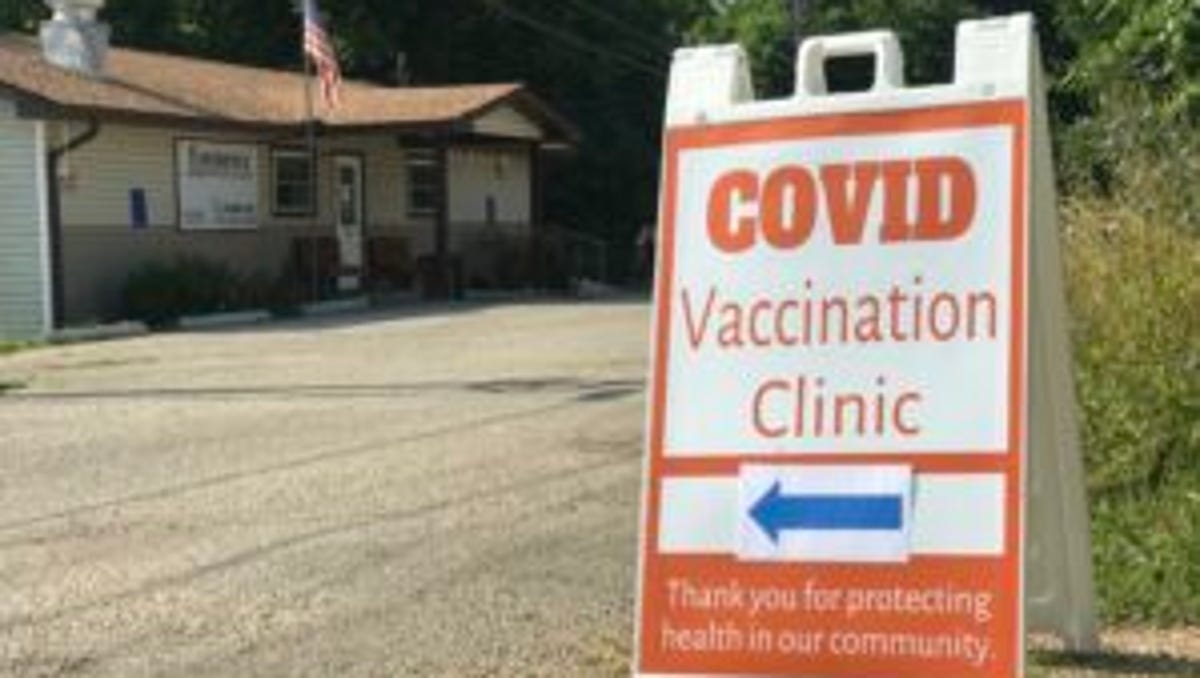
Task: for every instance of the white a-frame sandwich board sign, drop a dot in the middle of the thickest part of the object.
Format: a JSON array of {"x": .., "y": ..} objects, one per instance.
[{"x": 862, "y": 455}]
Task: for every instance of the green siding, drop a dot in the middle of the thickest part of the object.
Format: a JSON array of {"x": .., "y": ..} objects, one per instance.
[{"x": 22, "y": 263}]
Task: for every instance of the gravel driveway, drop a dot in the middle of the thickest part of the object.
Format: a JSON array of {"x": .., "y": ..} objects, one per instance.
[{"x": 443, "y": 494}]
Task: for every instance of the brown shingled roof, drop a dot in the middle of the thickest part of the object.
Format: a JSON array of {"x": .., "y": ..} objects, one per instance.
[{"x": 146, "y": 84}]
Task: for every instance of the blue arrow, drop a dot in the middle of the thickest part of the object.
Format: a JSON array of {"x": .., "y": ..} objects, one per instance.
[{"x": 775, "y": 513}]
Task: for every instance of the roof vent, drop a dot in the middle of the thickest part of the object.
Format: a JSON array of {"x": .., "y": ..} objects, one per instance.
[{"x": 74, "y": 38}]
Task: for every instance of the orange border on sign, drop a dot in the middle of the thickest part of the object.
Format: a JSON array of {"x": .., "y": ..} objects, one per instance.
[{"x": 1010, "y": 461}]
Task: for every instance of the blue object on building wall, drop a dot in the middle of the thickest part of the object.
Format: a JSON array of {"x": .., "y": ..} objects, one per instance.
[{"x": 138, "y": 214}]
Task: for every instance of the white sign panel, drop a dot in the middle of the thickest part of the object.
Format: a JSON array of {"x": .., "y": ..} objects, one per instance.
[
  {"x": 218, "y": 185},
  {"x": 830, "y": 333}
]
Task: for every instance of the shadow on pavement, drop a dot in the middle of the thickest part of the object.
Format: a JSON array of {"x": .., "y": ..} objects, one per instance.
[
  {"x": 1120, "y": 663},
  {"x": 386, "y": 313},
  {"x": 584, "y": 390}
]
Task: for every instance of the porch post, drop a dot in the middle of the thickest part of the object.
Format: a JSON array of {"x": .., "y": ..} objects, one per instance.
[
  {"x": 539, "y": 251},
  {"x": 441, "y": 237}
]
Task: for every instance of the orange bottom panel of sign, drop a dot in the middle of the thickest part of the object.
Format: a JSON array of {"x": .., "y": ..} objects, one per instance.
[{"x": 932, "y": 617}]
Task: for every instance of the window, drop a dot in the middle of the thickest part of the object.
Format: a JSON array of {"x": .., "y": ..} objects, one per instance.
[
  {"x": 293, "y": 183},
  {"x": 424, "y": 181}
]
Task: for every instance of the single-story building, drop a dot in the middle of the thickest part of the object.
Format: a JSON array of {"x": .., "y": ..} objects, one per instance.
[{"x": 110, "y": 158}]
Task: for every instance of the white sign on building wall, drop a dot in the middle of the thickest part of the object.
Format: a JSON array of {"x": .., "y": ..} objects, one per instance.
[{"x": 218, "y": 185}]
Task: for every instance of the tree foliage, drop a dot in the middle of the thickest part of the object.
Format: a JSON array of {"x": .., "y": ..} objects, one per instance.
[
  {"x": 21, "y": 15},
  {"x": 1154, "y": 44}
]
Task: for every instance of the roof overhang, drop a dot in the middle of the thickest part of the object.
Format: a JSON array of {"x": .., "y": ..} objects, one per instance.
[{"x": 559, "y": 134}]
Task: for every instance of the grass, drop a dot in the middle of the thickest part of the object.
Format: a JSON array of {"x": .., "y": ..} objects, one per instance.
[
  {"x": 11, "y": 347},
  {"x": 1135, "y": 307}
]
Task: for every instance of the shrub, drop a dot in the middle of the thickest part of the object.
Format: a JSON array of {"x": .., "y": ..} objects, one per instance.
[
  {"x": 1133, "y": 155},
  {"x": 281, "y": 294},
  {"x": 1135, "y": 298},
  {"x": 511, "y": 264},
  {"x": 159, "y": 294}
]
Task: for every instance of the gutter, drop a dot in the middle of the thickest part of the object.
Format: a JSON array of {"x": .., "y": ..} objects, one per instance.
[{"x": 54, "y": 213}]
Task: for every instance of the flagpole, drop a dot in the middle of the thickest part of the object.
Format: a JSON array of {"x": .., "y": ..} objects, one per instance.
[{"x": 310, "y": 139}]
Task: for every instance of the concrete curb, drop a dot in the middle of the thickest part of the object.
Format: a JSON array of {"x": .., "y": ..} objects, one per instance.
[
  {"x": 338, "y": 306},
  {"x": 218, "y": 320},
  {"x": 75, "y": 335}
]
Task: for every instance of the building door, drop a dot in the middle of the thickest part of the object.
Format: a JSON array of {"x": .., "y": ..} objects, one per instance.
[{"x": 349, "y": 203}]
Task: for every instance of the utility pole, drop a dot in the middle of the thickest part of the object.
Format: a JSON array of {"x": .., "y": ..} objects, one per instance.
[{"x": 314, "y": 157}]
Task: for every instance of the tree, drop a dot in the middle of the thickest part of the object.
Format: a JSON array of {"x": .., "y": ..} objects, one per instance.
[
  {"x": 20, "y": 15},
  {"x": 1151, "y": 45},
  {"x": 926, "y": 30}
]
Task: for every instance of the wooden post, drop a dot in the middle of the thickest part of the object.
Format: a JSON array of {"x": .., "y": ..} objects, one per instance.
[
  {"x": 538, "y": 251},
  {"x": 443, "y": 288}
]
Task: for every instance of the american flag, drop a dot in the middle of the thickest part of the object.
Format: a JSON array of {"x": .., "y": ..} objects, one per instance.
[{"x": 319, "y": 48}]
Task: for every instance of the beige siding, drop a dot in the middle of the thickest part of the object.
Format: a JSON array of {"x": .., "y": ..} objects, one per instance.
[
  {"x": 386, "y": 190},
  {"x": 386, "y": 181},
  {"x": 101, "y": 247},
  {"x": 479, "y": 173},
  {"x": 98, "y": 259},
  {"x": 23, "y": 265},
  {"x": 507, "y": 122},
  {"x": 97, "y": 178},
  {"x": 102, "y": 174}
]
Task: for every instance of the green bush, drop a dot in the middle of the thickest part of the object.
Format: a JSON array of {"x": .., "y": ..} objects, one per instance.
[
  {"x": 511, "y": 264},
  {"x": 1135, "y": 156},
  {"x": 1135, "y": 300},
  {"x": 159, "y": 294}
]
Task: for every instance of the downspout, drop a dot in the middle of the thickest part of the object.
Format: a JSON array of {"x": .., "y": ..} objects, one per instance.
[{"x": 54, "y": 215}]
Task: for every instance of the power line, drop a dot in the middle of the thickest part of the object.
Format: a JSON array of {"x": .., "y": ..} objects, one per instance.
[
  {"x": 575, "y": 41},
  {"x": 529, "y": 21},
  {"x": 654, "y": 45}
]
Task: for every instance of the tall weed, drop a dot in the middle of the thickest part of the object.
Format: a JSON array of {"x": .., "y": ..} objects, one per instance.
[{"x": 1134, "y": 288}]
